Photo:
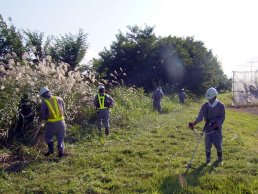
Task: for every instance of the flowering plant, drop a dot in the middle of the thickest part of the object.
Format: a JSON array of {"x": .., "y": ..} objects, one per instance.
[{"x": 19, "y": 78}]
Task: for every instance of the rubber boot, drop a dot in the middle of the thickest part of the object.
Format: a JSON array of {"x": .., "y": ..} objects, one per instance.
[
  {"x": 50, "y": 148},
  {"x": 208, "y": 158},
  {"x": 219, "y": 154},
  {"x": 107, "y": 131},
  {"x": 60, "y": 154}
]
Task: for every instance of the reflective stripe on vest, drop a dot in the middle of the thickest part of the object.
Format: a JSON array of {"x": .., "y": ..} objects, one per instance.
[
  {"x": 101, "y": 102},
  {"x": 56, "y": 112}
]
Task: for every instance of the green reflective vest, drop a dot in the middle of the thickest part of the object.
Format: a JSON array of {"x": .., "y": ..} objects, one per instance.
[
  {"x": 101, "y": 102},
  {"x": 55, "y": 111}
]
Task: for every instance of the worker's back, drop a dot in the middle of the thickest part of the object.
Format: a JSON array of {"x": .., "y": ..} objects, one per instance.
[{"x": 157, "y": 94}]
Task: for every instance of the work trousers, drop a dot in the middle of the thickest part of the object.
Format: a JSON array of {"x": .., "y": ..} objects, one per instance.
[
  {"x": 55, "y": 129},
  {"x": 157, "y": 105},
  {"x": 215, "y": 138},
  {"x": 103, "y": 119}
]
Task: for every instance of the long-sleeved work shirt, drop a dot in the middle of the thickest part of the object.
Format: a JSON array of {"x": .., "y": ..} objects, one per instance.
[
  {"x": 157, "y": 95},
  {"x": 44, "y": 111},
  {"x": 211, "y": 115},
  {"x": 108, "y": 101}
]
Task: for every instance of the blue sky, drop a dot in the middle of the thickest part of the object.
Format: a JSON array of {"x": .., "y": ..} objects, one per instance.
[{"x": 227, "y": 27}]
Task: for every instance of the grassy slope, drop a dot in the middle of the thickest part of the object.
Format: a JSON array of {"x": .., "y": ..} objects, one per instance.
[{"x": 147, "y": 158}]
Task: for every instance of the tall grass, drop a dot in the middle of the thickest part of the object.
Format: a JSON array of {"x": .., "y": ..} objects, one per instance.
[
  {"x": 131, "y": 103},
  {"x": 144, "y": 153},
  {"x": 19, "y": 78}
]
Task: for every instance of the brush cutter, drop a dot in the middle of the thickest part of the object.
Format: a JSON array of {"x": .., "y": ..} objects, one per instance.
[
  {"x": 195, "y": 133},
  {"x": 182, "y": 179}
]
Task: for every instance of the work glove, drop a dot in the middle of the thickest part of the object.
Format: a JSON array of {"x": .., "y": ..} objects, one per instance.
[
  {"x": 215, "y": 126},
  {"x": 110, "y": 104},
  {"x": 191, "y": 125}
]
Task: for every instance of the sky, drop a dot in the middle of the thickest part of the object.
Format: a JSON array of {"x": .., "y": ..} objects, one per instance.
[{"x": 227, "y": 27}]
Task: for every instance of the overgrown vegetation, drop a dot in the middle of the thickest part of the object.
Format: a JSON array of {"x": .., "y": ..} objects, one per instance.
[
  {"x": 139, "y": 57},
  {"x": 30, "y": 45},
  {"x": 20, "y": 83},
  {"x": 149, "y": 61},
  {"x": 145, "y": 151},
  {"x": 145, "y": 155}
]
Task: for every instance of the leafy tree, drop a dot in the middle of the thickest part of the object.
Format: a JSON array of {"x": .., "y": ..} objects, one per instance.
[
  {"x": 34, "y": 43},
  {"x": 148, "y": 61},
  {"x": 131, "y": 53},
  {"x": 69, "y": 48},
  {"x": 10, "y": 39},
  {"x": 187, "y": 63}
]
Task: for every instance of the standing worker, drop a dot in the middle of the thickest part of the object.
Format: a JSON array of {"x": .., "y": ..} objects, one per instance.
[
  {"x": 182, "y": 96},
  {"x": 52, "y": 110},
  {"x": 213, "y": 113},
  {"x": 103, "y": 102},
  {"x": 156, "y": 98}
]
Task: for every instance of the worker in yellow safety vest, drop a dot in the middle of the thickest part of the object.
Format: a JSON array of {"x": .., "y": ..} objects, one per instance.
[
  {"x": 103, "y": 102},
  {"x": 52, "y": 111}
]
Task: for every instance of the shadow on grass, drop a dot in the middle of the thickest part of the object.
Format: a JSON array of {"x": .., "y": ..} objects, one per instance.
[
  {"x": 171, "y": 184},
  {"x": 18, "y": 165},
  {"x": 79, "y": 133},
  {"x": 15, "y": 167}
]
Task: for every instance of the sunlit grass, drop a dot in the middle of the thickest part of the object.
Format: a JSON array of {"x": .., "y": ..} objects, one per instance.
[{"x": 144, "y": 153}]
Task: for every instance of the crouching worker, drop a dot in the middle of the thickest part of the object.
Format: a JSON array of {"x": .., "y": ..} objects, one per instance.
[
  {"x": 52, "y": 111},
  {"x": 213, "y": 113},
  {"x": 103, "y": 102}
]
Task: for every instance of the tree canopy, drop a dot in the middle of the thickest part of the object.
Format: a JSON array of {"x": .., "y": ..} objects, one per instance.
[
  {"x": 10, "y": 39},
  {"x": 69, "y": 48},
  {"x": 148, "y": 61},
  {"x": 137, "y": 57}
]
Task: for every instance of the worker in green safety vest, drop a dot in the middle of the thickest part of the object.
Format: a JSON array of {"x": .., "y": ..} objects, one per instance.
[
  {"x": 103, "y": 102},
  {"x": 52, "y": 111}
]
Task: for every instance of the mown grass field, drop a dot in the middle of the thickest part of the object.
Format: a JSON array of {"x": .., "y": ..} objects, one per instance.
[{"x": 146, "y": 155}]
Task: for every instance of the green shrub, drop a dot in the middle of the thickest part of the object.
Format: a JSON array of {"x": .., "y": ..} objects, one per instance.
[
  {"x": 24, "y": 79},
  {"x": 130, "y": 103}
]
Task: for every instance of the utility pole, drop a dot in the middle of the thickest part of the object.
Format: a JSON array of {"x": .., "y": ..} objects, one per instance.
[{"x": 252, "y": 69}]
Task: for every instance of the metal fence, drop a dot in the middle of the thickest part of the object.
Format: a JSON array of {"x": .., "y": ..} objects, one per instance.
[{"x": 245, "y": 88}]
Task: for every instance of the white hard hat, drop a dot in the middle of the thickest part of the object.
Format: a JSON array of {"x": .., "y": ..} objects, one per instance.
[
  {"x": 211, "y": 93},
  {"x": 43, "y": 90},
  {"x": 101, "y": 87}
]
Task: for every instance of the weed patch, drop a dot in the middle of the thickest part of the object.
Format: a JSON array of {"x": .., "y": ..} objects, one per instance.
[{"x": 144, "y": 153}]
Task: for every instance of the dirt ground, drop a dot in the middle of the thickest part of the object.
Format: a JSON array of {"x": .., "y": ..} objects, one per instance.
[{"x": 249, "y": 109}]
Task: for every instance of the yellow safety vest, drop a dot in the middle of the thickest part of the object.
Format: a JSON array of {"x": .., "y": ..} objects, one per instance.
[
  {"x": 55, "y": 111},
  {"x": 102, "y": 102}
]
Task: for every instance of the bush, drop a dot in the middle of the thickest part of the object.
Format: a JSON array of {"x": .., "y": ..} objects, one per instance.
[
  {"x": 19, "y": 79},
  {"x": 130, "y": 104}
]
